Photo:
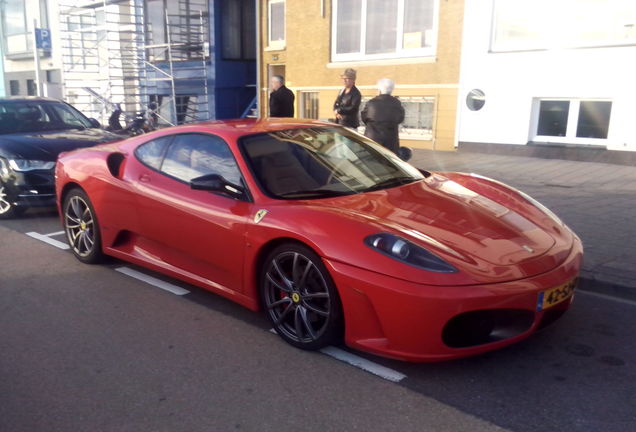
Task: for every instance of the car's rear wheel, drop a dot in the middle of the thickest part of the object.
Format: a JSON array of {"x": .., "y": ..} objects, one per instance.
[
  {"x": 7, "y": 209},
  {"x": 300, "y": 298},
  {"x": 81, "y": 227}
]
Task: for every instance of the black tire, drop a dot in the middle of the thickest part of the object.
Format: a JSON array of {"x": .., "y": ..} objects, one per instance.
[
  {"x": 81, "y": 227},
  {"x": 300, "y": 298},
  {"x": 7, "y": 209}
]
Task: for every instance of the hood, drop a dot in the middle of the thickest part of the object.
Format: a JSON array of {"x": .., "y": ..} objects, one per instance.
[
  {"x": 464, "y": 227},
  {"x": 48, "y": 145}
]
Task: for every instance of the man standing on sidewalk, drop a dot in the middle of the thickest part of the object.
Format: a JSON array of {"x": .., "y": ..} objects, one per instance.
[{"x": 281, "y": 99}]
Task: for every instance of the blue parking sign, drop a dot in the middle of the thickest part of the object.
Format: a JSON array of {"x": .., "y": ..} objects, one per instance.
[{"x": 42, "y": 38}]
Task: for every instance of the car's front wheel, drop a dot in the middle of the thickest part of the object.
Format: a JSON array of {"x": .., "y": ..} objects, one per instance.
[
  {"x": 300, "y": 298},
  {"x": 81, "y": 227},
  {"x": 7, "y": 209}
]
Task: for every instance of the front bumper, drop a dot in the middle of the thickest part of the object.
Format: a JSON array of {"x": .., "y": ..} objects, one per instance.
[
  {"x": 34, "y": 188},
  {"x": 414, "y": 322}
]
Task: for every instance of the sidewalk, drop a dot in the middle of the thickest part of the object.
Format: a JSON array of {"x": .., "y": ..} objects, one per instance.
[{"x": 596, "y": 200}]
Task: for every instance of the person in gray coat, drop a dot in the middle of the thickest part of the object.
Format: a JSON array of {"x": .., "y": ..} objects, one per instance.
[{"x": 382, "y": 116}]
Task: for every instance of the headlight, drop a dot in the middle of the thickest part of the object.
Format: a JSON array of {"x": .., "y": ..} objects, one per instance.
[
  {"x": 409, "y": 253},
  {"x": 28, "y": 165}
]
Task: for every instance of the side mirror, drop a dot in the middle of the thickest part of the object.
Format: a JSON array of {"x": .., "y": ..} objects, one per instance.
[
  {"x": 94, "y": 123},
  {"x": 217, "y": 183}
]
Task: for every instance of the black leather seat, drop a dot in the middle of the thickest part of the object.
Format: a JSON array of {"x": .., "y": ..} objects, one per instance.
[{"x": 283, "y": 173}]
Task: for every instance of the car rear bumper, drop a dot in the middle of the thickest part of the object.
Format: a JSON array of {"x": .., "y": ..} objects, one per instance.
[{"x": 408, "y": 321}]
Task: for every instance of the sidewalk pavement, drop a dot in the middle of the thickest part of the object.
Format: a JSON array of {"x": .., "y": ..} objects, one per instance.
[{"x": 596, "y": 200}]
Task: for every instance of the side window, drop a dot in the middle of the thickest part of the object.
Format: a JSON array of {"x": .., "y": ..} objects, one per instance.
[
  {"x": 151, "y": 153},
  {"x": 193, "y": 155}
]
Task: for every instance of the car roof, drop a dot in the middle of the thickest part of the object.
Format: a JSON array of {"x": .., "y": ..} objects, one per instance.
[
  {"x": 29, "y": 99},
  {"x": 248, "y": 126}
]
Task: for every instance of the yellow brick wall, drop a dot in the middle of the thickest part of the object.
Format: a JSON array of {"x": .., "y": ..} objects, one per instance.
[{"x": 307, "y": 54}]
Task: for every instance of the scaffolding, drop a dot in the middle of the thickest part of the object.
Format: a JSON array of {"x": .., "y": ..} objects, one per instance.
[{"x": 110, "y": 59}]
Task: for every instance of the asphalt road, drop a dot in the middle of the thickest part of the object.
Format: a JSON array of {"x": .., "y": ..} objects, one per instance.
[{"x": 86, "y": 348}]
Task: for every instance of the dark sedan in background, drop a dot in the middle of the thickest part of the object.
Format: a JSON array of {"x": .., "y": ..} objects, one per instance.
[{"x": 33, "y": 132}]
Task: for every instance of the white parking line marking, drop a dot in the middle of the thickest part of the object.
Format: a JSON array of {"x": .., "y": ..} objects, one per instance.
[
  {"x": 607, "y": 297},
  {"x": 57, "y": 233},
  {"x": 364, "y": 364},
  {"x": 361, "y": 363},
  {"x": 46, "y": 239},
  {"x": 152, "y": 281}
]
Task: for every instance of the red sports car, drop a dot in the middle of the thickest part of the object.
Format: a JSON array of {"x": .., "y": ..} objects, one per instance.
[{"x": 328, "y": 232}]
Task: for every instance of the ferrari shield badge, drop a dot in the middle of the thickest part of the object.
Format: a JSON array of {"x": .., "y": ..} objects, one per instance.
[{"x": 260, "y": 215}]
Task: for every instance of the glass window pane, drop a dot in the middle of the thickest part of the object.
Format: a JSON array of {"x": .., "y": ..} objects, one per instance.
[
  {"x": 155, "y": 21},
  {"x": 249, "y": 30},
  {"x": 151, "y": 153},
  {"x": 277, "y": 22},
  {"x": 310, "y": 105},
  {"x": 418, "y": 23},
  {"x": 231, "y": 30},
  {"x": 14, "y": 17},
  {"x": 348, "y": 26},
  {"x": 553, "y": 118},
  {"x": 381, "y": 26},
  {"x": 191, "y": 156},
  {"x": 594, "y": 117}
]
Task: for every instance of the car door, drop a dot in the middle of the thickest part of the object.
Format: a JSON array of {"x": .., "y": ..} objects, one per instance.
[{"x": 197, "y": 231}]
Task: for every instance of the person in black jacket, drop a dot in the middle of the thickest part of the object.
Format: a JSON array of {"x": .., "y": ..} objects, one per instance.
[
  {"x": 382, "y": 116},
  {"x": 281, "y": 99},
  {"x": 348, "y": 101}
]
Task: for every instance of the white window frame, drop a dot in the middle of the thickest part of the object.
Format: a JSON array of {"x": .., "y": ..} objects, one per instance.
[
  {"x": 573, "y": 121},
  {"x": 276, "y": 45},
  {"x": 399, "y": 51}
]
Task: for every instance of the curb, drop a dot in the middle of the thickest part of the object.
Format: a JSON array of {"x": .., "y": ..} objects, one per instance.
[{"x": 610, "y": 289}]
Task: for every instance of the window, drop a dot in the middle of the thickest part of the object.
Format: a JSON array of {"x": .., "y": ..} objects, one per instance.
[
  {"x": 151, "y": 153},
  {"x": 31, "y": 90},
  {"x": 69, "y": 116},
  {"x": 187, "y": 24},
  {"x": 16, "y": 34},
  {"x": 573, "y": 121},
  {"x": 238, "y": 27},
  {"x": 544, "y": 24},
  {"x": 192, "y": 155},
  {"x": 14, "y": 87},
  {"x": 82, "y": 38},
  {"x": 418, "y": 117},
  {"x": 553, "y": 118},
  {"x": 594, "y": 119},
  {"x": 372, "y": 29},
  {"x": 309, "y": 105},
  {"x": 475, "y": 100},
  {"x": 276, "y": 32}
]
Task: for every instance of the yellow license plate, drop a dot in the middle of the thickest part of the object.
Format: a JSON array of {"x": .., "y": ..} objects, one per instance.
[{"x": 555, "y": 295}]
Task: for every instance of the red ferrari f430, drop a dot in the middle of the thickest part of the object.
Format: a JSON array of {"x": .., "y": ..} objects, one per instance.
[{"x": 327, "y": 232}]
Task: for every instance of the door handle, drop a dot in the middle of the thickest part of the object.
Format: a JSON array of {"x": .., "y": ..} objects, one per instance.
[{"x": 145, "y": 178}]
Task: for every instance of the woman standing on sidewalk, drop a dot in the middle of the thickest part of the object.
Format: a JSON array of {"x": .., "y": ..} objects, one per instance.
[{"x": 348, "y": 101}]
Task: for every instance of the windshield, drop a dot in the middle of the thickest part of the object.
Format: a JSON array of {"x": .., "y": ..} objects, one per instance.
[
  {"x": 319, "y": 162},
  {"x": 39, "y": 116}
]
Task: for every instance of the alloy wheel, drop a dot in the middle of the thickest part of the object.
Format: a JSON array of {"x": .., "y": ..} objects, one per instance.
[
  {"x": 297, "y": 297},
  {"x": 80, "y": 226},
  {"x": 5, "y": 205}
]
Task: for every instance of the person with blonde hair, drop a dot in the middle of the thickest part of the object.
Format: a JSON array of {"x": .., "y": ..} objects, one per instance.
[
  {"x": 347, "y": 103},
  {"x": 382, "y": 116}
]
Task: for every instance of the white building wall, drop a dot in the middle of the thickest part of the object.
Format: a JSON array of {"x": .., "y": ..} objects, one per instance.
[{"x": 511, "y": 81}]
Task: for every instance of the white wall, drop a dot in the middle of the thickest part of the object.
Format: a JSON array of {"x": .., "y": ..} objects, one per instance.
[{"x": 511, "y": 81}]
